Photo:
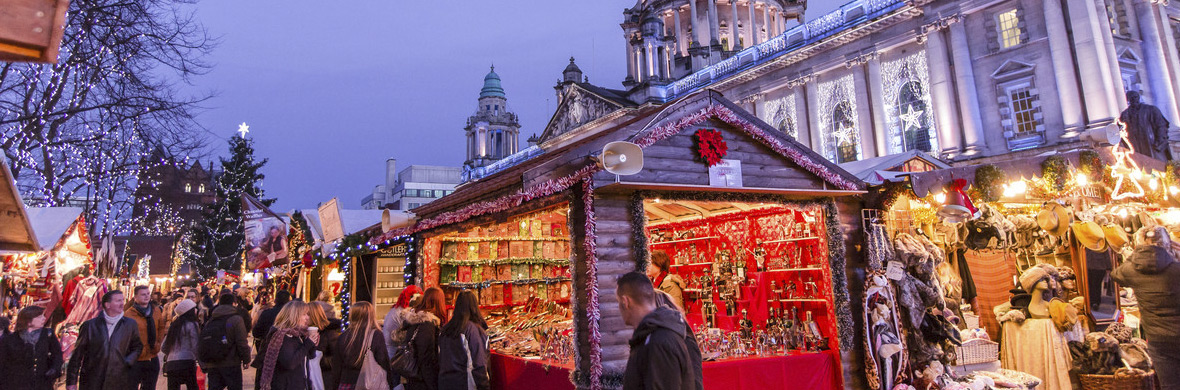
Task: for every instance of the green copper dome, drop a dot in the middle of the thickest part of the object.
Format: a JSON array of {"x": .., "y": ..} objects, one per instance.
[{"x": 491, "y": 85}]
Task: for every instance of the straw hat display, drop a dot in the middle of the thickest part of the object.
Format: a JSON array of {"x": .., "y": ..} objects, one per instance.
[
  {"x": 1116, "y": 237},
  {"x": 1090, "y": 235},
  {"x": 1054, "y": 218}
]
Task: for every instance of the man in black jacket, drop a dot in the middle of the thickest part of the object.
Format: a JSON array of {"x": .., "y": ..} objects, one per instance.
[
  {"x": 659, "y": 358},
  {"x": 107, "y": 347},
  {"x": 227, "y": 373},
  {"x": 1154, "y": 274},
  {"x": 266, "y": 319}
]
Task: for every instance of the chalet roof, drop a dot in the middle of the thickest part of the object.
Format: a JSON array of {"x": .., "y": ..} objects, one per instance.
[
  {"x": 877, "y": 170},
  {"x": 16, "y": 232},
  {"x": 565, "y": 159},
  {"x": 51, "y": 223}
]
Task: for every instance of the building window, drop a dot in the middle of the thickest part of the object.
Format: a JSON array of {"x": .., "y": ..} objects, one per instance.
[
  {"x": 1010, "y": 28},
  {"x": 847, "y": 145},
  {"x": 913, "y": 121},
  {"x": 1021, "y": 114},
  {"x": 414, "y": 205},
  {"x": 188, "y": 187},
  {"x": 411, "y": 193},
  {"x": 781, "y": 113},
  {"x": 1129, "y": 70},
  {"x": 1116, "y": 13},
  {"x": 201, "y": 188}
]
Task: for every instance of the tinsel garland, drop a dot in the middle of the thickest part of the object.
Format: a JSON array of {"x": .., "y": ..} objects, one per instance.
[
  {"x": 837, "y": 259},
  {"x": 726, "y": 115},
  {"x": 593, "y": 314}
]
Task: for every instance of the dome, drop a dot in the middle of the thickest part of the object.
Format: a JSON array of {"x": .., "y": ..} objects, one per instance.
[
  {"x": 572, "y": 74},
  {"x": 491, "y": 85}
]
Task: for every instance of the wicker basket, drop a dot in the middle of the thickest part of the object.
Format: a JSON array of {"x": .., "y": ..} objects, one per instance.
[
  {"x": 977, "y": 351},
  {"x": 1118, "y": 382}
]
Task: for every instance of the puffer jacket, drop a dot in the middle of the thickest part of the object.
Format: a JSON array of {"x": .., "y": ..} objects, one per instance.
[
  {"x": 425, "y": 346},
  {"x": 1153, "y": 273}
]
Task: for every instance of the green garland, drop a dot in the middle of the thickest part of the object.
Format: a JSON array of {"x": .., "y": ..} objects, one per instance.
[
  {"x": 1055, "y": 171},
  {"x": 1091, "y": 163},
  {"x": 988, "y": 181}
]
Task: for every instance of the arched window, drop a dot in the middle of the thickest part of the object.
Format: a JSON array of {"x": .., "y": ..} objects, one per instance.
[
  {"x": 844, "y": 135},
  {"x": 188, "y": 187},
  {"x": 912, "y": 118},
  {"x": 201, "y": 188}
]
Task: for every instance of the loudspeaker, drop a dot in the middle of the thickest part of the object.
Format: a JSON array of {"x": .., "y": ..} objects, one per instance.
[
  {"x": 1103, "y": 135},
  {"x": 621, "y": 158}
]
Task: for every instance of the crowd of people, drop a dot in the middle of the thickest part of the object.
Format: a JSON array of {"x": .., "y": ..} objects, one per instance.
[{"x": 291, "y": 344}]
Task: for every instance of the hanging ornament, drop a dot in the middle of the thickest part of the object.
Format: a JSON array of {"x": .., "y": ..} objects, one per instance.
[
  {"x": 709, "y": 146},
  {"x": 1123, "y": 167},
  {"x": 958, "y": 206}
]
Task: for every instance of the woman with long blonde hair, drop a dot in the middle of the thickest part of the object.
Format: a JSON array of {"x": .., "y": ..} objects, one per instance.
[
  {"x": 282, "y": 360},
  {"x": 362, "y": 338}
]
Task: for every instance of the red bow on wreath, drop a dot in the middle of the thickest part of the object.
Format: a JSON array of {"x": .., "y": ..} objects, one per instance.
[{"x": 709, "y": 146}]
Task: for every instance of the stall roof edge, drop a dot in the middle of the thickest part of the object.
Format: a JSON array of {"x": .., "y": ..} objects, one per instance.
[
  {"x": 18, "y": 236},
  {"x": 50, "y": 224}
]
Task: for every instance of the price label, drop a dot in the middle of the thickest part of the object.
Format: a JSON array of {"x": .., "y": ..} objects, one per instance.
[{"x": 895, "y": 270}]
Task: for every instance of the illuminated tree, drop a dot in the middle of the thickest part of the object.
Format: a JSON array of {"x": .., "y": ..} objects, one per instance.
[{"x": 218, "y": 242}]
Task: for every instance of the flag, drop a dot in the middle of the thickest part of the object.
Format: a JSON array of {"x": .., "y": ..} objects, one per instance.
[{"x": 266, "y": 235}]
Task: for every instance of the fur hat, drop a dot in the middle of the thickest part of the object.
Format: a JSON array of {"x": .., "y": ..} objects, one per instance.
[
  {"x": 1120, "y": 331},
  {"x": 184, "y": 306},
  {"x": 1031, "y": 276},
  {"x": 1135, "y": 356}
]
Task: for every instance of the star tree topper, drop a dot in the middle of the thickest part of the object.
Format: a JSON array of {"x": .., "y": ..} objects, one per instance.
[{"x": 243, "y": 129}]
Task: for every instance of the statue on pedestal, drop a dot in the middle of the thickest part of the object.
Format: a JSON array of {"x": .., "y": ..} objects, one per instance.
[{"x": 1147, "y": 129}]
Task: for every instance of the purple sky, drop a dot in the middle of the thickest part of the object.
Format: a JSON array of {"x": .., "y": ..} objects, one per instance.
[{"x": 331, "y": 91}]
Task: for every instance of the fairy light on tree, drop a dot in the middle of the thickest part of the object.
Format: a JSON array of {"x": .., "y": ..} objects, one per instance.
[
  {"x": 217, "y": 242},
  {"x": 80, "y": 131}
]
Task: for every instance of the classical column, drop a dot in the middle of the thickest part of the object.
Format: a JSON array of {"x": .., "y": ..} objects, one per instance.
[
  {"x": 483, "y": 142},
  {"x": 632, "y": 70},
  {"x": 813, "y": 134},
  {"x": 1063, "y": 69},
  {"x": 766, "y": 20},
  {"x": 1172, "y": 53},
  {"x": 975, "y": 142},
  {"x": 754, "y": 38},
  {"x": 733, "y": 26},
  {"x": 1117, "y": 100},
  {"x": 649, "y": 59},
  {"x": 865, "y": 115},
  {"x": 877, "y": 104},
  {"x": 696, "y": 25},
  {"x": 941, "y": 96},
  {"x": 1162, "y": 92},
  {"x": 679, "y": 33},
  {"x": 714, "y": 24},
  {"x": 1093, "y": 69}
]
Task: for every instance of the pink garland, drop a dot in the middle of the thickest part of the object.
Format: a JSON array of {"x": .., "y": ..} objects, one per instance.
[
  {"x": 592, "y": 311},
  {"x": 726, "y": 115}
]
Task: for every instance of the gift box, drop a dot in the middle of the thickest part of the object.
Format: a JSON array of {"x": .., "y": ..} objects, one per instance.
[
  {"x": 502, "y": 250},
  {"x": 488, "y": 272},
  {"x": 538, "y": 271},
  {"x": 535, "y": 228},
  {"x": 460, "y": 251},
  {"x": 449, "y": 250},
  {"x": 485, "y": 250},
  {"x": 546, "y": 230},
  {"x": 538, "y": 249},
  {"x": 516, "y": 249},
  {"x": 504, "y": 272},
  {"x": 464, "y": 274},
  {"x": 476, "y": 274},
  {"x": 473, "y": 251},
  {"x": 493, "y": 295},
  {"x": 542, "y": 292},
  {"x": 520, "y": 271},
  {"x": 447, "y": 274},
  {"x": 549, "y": 250},
  {"x": 523, "y": 228}
]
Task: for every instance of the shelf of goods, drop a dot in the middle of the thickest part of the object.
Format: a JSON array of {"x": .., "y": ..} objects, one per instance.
[
  {"x": 757, "y": 277},
  {"x": 520, "y": 270},
  {"x": 388, "y": 282}
]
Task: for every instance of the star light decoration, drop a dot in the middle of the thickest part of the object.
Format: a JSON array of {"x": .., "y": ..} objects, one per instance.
[
  {"x": 843, "y": 134},
  {"x": 1123, "y": 166},
  {"x": 911, "y": 118},
  {"x": 243, "y": 129}
]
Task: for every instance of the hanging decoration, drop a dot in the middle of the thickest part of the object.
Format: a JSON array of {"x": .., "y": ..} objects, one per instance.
[
  {"x": 709, "y": 146},
  {"x": 1055, "y": 171},
  {"x": 988, "y": 183},
  {"x": 908, "y": 77},
  {"x": 1125, "y": 168},
  {"x": 837, "y": 106},
  {"x": 958, "y": 206}
]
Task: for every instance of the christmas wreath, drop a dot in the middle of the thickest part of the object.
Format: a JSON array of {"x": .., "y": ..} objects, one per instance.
[{"x": 709, "y": 146}]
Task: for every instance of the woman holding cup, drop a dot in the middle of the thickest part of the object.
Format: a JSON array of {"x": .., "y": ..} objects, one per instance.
[{"x": 282, "y": 360}]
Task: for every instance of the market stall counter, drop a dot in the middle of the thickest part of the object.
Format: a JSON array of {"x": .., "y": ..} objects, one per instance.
[{"x": 761, "y": 232}]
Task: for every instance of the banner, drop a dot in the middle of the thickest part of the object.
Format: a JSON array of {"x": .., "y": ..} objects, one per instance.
[
  {"x": 266, "y": 235},
  {"x": 330, "y": 221}
]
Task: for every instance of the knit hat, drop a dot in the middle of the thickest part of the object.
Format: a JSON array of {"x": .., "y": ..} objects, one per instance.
[
  {"x": 1120, "y": 331},
  {"x": 184, "y": 306},
  {"x": 1031, "y": 276}
]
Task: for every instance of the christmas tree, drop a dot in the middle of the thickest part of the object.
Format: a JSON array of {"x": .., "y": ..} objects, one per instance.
[{"x": 217, "y": 243}]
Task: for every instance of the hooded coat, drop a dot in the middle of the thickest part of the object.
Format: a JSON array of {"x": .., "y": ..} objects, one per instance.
[
  {"x": 30, "y": 367},
  {"x": 327, "y": 346},
  {"x": 1154, "y": 275},
  {"x": 425, "y": 346},
  {"x": 100, "y": 362},
  {"x": 659, "y": 357}
]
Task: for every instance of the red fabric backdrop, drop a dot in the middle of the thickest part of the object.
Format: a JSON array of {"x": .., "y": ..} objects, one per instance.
[{"x": 992, "y": 271}]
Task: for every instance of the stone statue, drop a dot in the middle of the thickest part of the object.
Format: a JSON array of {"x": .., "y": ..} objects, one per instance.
[{"x": 1147, "y": 129}]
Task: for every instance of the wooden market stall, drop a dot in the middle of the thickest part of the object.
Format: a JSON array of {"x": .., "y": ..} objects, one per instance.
[{"x": 773, "y": 226}]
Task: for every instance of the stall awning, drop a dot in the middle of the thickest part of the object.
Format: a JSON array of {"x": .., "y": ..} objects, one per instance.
[
  {"x": 16, "y": 233},
  {"x": 51, "y": 223},
  {"x": 877, "y": 170}
]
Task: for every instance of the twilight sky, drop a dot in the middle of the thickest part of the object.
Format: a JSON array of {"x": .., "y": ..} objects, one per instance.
[{"x": 330, "y": 90}]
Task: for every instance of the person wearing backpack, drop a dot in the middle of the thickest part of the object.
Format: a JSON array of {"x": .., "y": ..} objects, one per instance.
[
  {"x": 223, "y": 350},
  {"x": 360, "y": 358},
  {"x": 463, "y": 347},
  {"x": 419, "y": 336},
  {"x": 180, "y": 347}
]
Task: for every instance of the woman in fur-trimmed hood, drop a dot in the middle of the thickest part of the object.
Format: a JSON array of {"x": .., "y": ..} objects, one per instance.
[{"x": 419, "y": 331}]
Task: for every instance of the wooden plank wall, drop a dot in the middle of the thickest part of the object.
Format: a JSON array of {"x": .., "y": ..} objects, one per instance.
[
  {"x": 615, "y": 258},
  {"x": 848, "y": 210}
]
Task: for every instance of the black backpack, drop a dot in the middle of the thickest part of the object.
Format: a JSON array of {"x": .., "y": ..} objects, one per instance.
[{"x": 214, "y": 345}]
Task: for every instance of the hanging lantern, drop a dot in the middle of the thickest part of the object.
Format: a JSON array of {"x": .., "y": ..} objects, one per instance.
[{"x": 958, "y": 206}]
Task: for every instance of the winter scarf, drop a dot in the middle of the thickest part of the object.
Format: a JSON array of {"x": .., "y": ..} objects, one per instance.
[
  {"x": 273, "y": 346},
  {"x": 147, "y": 313}
]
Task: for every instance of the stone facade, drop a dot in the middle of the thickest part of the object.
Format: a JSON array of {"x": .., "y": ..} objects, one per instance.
[{"x": 966, "y": 80}]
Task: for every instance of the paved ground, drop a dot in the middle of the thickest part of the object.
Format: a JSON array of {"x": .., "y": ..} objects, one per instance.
[{"x": 247, "y": 381}]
